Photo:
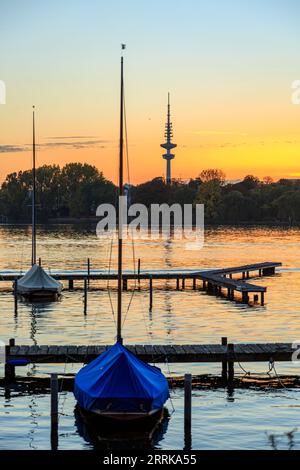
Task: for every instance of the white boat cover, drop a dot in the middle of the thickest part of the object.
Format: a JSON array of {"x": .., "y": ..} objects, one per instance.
[{"x": 36, "y": 279}]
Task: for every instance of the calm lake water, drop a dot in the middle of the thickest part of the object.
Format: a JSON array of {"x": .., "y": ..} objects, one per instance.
[{"x": 246, "y": 420}]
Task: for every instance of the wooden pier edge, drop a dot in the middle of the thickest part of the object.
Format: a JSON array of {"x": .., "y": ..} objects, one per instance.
[
  {"x": 225, "y": 354},
  {"x": 214, "y": 280}
]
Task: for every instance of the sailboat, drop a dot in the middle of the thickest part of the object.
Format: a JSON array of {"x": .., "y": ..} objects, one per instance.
[
  {"x": 117, "y": 387},
  {"x": 36, "y": 284}
]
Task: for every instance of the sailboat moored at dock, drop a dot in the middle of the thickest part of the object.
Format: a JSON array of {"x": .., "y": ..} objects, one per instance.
[
  {"x": 117, "y": 387},
  {"x": 36, "y": 284}
]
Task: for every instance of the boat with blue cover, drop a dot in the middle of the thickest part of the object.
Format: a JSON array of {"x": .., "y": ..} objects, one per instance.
[{"x": 117, "y": 385}]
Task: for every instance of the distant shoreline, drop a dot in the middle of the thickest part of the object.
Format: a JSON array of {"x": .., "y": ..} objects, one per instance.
[{"x": 93, "y": 220}]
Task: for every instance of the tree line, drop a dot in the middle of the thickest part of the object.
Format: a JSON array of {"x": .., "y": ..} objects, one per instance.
[{"x": 76, "y": 190}]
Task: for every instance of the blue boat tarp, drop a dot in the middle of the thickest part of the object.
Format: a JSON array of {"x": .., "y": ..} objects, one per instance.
[{"x": 117, "y": 381}]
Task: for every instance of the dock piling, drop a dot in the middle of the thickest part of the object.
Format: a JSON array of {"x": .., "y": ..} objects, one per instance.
[
  {"x": 230, "y": 354},
  {"x": 194, "y": 283},
  {"x": 88, "y": 270},
  {"x": 16, "y": 296},
  {"x": 151, "y": 292},
  {"x": 224, "y": 364},
  {"x": 54, "y": 411},
  {"x": 71, "y": 284},
  {"x": 187, "y": 411},
  {"x": 40, "y": 261},
  {"x": 9, "y": 370},
  {"x": 139, "y": 272},
  {"x": 85, "y": 296},
  {"x": 245, "y": 298}
]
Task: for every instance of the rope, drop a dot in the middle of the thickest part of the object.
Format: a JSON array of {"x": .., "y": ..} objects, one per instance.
[
  {"x": 108, "y": 284},
  {"x": 272, "y": 367},
  {"x": 132, "y": 238},
  {"x": 171, "y": 378},
  {"x": 61, "y": 389}
]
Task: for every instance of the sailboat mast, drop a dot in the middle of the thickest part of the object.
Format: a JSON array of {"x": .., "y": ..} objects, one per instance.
[
  {"x": 121, "y": 193},
  {"x": 33, "y": 256}
]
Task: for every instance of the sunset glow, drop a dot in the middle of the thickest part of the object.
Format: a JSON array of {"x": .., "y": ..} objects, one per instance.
[{"x": 229, "y": 69}]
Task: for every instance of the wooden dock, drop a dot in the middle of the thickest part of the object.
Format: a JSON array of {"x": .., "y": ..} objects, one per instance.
[
  {"x": 197, "y": 353},
  {"x": 225, "y": 353},
  {"x": 214, "y": 281}
]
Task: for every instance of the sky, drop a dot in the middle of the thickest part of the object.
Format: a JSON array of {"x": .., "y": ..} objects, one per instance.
[{"x": 228, "y": 64}]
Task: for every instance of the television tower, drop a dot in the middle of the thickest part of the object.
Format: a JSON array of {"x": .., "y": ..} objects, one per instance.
[{"x": 168, "y": 146}]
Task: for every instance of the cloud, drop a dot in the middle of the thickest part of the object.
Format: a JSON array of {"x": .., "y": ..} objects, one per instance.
[
  {"x": 76, "y": 144},
  {"x": 221, "y": 133},
  {"x": 12, "y": 148},
  {"x": 73, "y": 137}
]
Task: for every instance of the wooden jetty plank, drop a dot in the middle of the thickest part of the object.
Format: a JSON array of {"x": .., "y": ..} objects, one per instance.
[
  {"x": 44, "y": 349},
  {"x": 169, "y": 350},
  {"x": 82, "y": 350},
  {"x": 155, "y": 274},
  {"x": 178, "y": 349},
  {"x": 92, "y": 351},
  {"x": 63, "y": 350},
  {"x": 157, "y": 353},
  {"x": 140, "y": 349},
  {"x": 160, "y": 350},
  {"x": 14, "y": 350},
  {"x": 149, "y": 349},
  {"x": 23, "y": 350},
  {"x": 72, "y": 350},
  {"x": 34, "y": 350},
  {"x": 53, "y": 350}
]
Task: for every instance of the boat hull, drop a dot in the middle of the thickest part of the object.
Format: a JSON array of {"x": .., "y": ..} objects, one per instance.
[
  {"x": 40, "y": 295},
  {"x": 122, "y": 421}
]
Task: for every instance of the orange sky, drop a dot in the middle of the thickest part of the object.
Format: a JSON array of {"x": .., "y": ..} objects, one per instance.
[{"x": 229, "y": 71}]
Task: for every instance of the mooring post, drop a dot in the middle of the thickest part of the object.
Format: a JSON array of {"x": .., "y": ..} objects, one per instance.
[
  {"x": 177, "y": 283},
  {"x": 187, "y": 411},
  {"x": 139, "y": 272},
  {"x": 54, "y": 411},
  {"x": 194, "y": 283},
  {"x": 230, "y": 355},
  {"x": 245, "y": 298},
  {"x": 9, "y": 370},
  {"x": 16, "y": 295},
  {"x": 40, "y": 261},
  {"x": 262, "y": 299},
  {"x": 85, "y": 296},
  {"x": 151, "y": 293},
  {"x": 88, "y": 270},
  {"x": 224, "y": 363},
  {"x": 183, "y": 282},
  {"x": 71, "y": 284}
]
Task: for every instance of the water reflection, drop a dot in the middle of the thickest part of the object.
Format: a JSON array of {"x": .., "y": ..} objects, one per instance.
[{"x": 120, "y": 438}]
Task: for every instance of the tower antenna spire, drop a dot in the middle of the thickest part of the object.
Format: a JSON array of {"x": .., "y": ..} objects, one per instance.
[{"x": 168, "y": 145}]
